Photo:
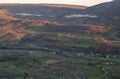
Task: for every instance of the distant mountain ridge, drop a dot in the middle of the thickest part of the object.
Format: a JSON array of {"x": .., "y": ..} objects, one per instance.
[
  {"x": 51, "y": 5},
  {"x": 65, "y": 6}
]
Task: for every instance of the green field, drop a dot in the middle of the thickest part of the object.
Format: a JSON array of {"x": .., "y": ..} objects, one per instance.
[{"x": 24, "y": 64}]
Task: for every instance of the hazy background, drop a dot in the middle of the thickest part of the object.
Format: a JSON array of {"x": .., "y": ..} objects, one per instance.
[{"x": 77, "y": 2}]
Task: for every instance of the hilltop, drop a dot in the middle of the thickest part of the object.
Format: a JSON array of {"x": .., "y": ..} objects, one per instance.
[{"x": 66, "y": 6}]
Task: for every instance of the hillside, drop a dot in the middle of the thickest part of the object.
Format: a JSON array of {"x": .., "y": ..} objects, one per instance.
[
  {"x": 57, "y": 42},
  {"x": 41, "y": 11},
  {"x": 108, "y": 9},
  {"x": 4, "y": 14},
  {"x": 26, "y": 29}
]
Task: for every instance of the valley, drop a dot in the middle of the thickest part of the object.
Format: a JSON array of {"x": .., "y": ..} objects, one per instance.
[{"x": 55, "y": 41}]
